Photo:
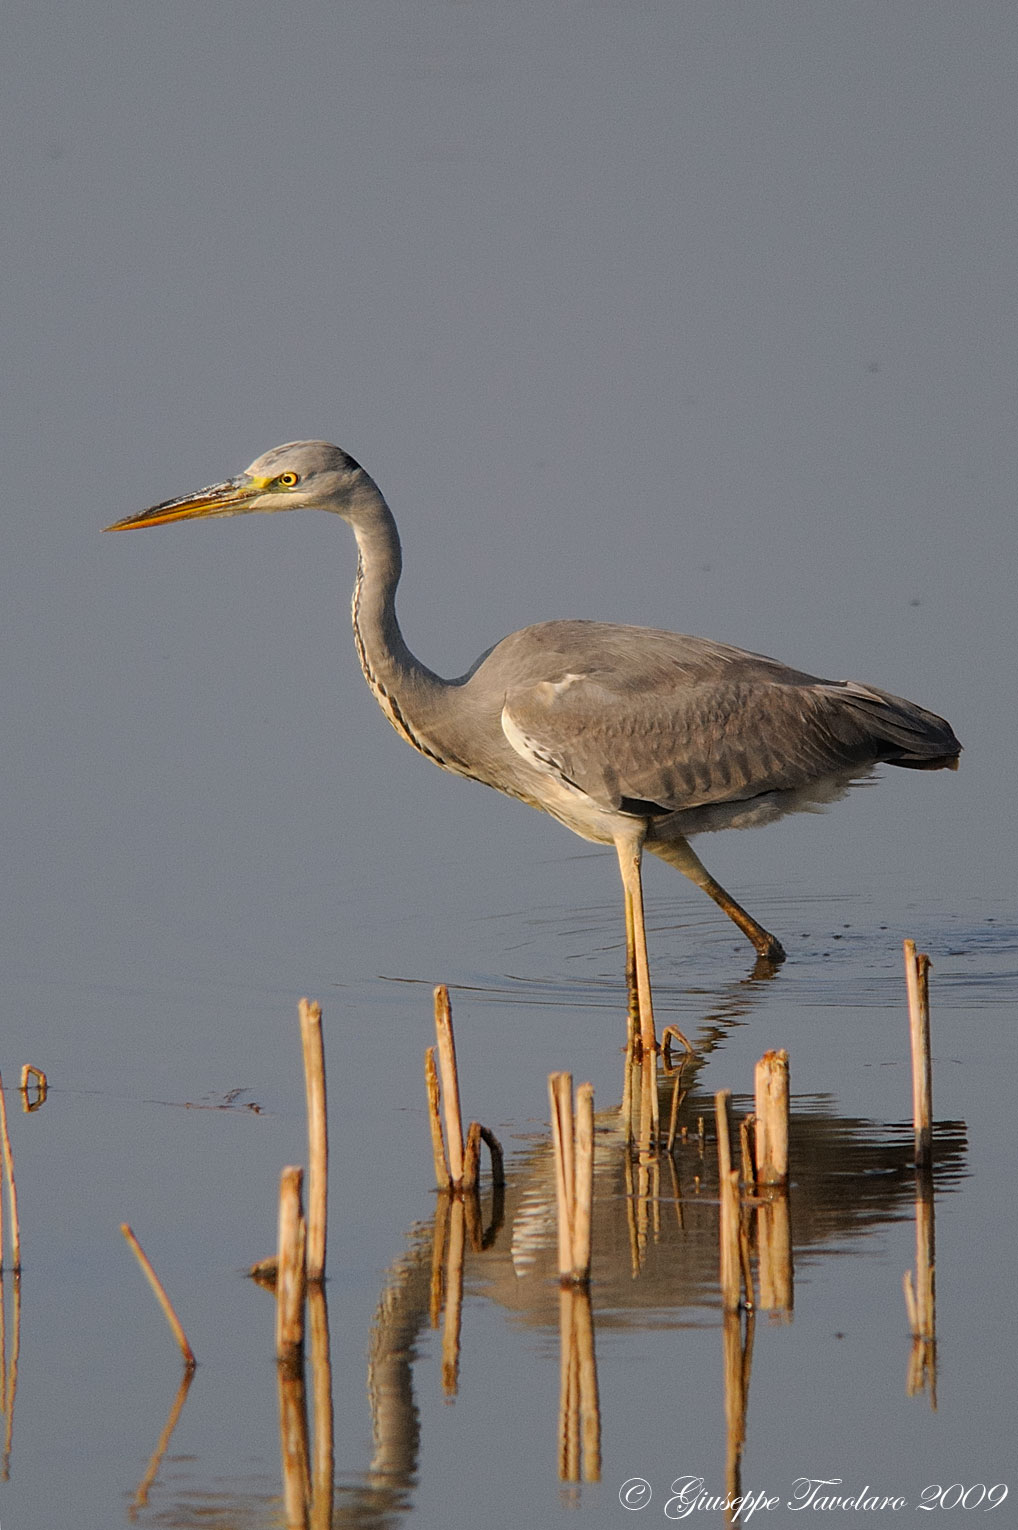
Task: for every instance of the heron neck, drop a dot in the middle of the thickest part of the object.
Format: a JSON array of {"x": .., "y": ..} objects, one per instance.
[{"x": 391, "y": 670}]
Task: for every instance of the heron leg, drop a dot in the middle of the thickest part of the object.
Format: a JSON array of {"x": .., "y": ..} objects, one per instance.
[
  {"x": 629, "y": 849},
  {"x": 679, "y": 853}
]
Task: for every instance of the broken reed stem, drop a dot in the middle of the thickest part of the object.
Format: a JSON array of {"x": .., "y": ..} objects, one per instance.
[
  {"x": 12, "y": 1190},
  {"x": 728, "y": 1186},
  {"x": 746, "y": 1155},
  {"x": 450, "y": 1083},
  {"x": 722, "y": 1101},
  {"x": 497, "y": 1157},
  {"x": 164, "y": 1301},
  {"x": 318, "y": 1138},
  {"x": 917, "y": 968},
  {"x": 668, "y": 1035},
  {"x": 573, "y": 1143},
  {"x": 476, "y": 1134},
  {"x": 290, "y": 1281},
  {"x": 583, "y": 1195},
  {"x": 472, "y": 1157},
  {"x": 443, "y": 1178},
  {"x": 459, "y": 1168},
  {"x": 560, "y": 1099},
  {"x": 28, "y": 1073},
  {"x": 731, "y": 1253},
  {"x": 772, "y": 1119}
]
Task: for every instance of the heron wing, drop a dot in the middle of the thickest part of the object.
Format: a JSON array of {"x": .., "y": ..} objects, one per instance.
[{"x": 729, "y": 728}]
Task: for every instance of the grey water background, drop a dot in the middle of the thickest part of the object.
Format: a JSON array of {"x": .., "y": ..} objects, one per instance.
[{"x": 689, "y": 315}]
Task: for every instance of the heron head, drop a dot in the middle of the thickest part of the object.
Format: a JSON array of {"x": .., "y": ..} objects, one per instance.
[{"x": 302, "y": 475}]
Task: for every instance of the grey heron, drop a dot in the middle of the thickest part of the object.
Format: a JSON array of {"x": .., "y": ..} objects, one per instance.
[{"x": 629, "y": 736}]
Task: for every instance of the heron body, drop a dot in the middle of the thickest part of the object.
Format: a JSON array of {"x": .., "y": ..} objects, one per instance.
[{"x": 629, "y": 736}]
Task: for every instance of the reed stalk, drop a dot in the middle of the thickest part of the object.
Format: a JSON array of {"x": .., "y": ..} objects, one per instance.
[
  {"x": 443, "y": 1178},
  {"x": 731, "y": 1243},
  {"x": 32, "y": 1077},
  {"x": 668, "y": 1035},
  {"x": 497, "y": 1157},
  {"x": 730, "y": 1218},
  {"x": 583, "y": 1195},
  {"x": 573, "y": 1146},
  {"x": 772, "y": 1119},
  {"x": 722, "y": 1104},
  {"x": 164, "y": 1301},
  {"x": 318, "y": 1139},
  {"x": 917, "y": 968},
  {"x": 450, "y": 1083},
  {"x": 746, "y": 1154},
  {"x": 471, "y": 1157},
  {"x": 12, "y": 1189},
  {"x": 560, "y": 1099},
  {"x": 290, "y": 1276}
]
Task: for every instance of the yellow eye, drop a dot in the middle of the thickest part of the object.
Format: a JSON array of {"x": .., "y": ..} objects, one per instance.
[{"x": 288, "y": 480}]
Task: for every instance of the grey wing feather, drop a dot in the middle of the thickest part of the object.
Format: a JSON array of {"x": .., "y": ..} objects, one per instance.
[{"x": 662, "y": 723}]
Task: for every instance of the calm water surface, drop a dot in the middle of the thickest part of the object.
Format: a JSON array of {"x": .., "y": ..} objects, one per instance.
[{"x": 190, "y": 1154}]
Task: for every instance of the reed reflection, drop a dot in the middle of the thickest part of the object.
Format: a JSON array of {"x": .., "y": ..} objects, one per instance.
[
  {"x": 655, "y": 1238},
  {"x": 655, "y": 1266},
  {"x": 10, "y": 1349},
  {"x": 920, "y": 1292},
  {"x": 579, "y": 1403}
]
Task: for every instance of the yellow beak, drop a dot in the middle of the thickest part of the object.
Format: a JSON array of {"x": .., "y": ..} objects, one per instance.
[{"x": 228, "y": 498}]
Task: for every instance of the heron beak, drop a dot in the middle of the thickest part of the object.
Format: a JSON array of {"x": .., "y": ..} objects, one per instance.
[{"x": 229, "y": 498}]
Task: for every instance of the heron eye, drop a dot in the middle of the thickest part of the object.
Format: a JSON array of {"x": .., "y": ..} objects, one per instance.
[{"x": 288, "y": 480}]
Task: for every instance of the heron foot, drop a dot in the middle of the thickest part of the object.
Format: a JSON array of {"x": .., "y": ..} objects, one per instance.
[{"x": 770, "y": 949}]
